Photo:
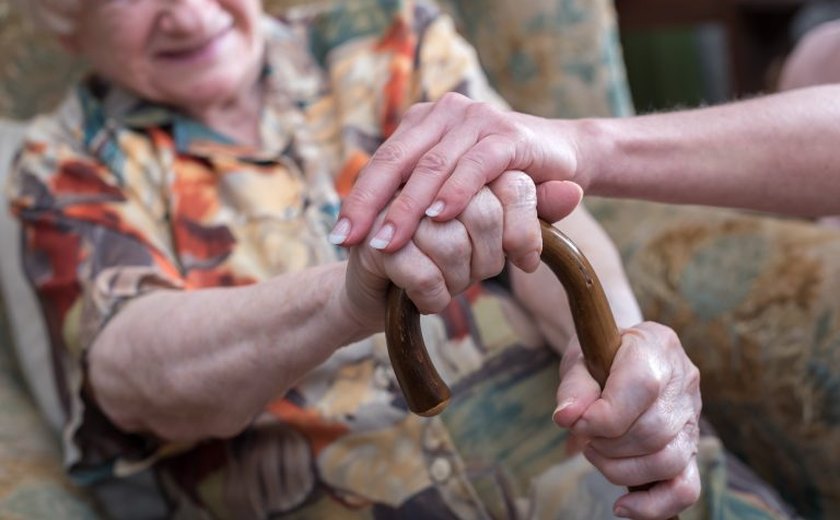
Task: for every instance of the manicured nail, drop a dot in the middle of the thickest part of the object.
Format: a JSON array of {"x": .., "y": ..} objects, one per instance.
[
  {"x": 435, "y": 209},
  {"x": 383, "y": 237},
  {"x": 340, "y": 232},
  {"x": 621, "y": 512}
]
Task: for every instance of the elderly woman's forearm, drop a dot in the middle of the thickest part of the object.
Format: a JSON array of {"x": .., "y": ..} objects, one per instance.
[
  {"x": 189, "y": 365},
  {"x": 777, "y": 153}
]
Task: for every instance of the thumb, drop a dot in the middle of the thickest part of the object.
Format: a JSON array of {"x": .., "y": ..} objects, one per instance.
[
  {"x": 577, "y": 390},
  {"x": 556, "y": 199}
]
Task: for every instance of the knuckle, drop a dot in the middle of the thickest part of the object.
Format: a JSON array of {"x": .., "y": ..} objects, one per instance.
[
  {"x": 491, "y": 269},
  {"x": 415, "y": 112},
  {"x": 484, "y": 214},
  {"x": 668, "y": 464},
  {"x": 428, "y": 285},
  {"x": 458, "y": 250},
  {"x": 474, "y": 162},
  {"x": 523, "y": 240},
  {"x": 611, "y": 473},
  {"x": 360, "y": 197},
  {"x": 693, "y": 378},
  {"x": 655, "y": 434},
  {"x": 453, "y": 99},
  {"x": 432, "y": 163},
  {"x": 651, "y": 382},
  {"x": 665, "y": 335},
  {"x": 479, "y": 109},
  {"x": 405, "y": 204},
  {"x": 390, "y": 152},
  {"x": 686, "y": 493}
]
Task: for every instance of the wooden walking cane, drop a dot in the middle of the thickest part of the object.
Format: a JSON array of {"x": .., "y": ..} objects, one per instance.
[{"x": 424, "y": 390}]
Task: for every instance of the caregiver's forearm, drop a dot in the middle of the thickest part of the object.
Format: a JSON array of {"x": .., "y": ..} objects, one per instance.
[{"x": 778, "y": 153}]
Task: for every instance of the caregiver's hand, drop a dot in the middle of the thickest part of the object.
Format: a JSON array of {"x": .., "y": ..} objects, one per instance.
[
  {"x": 441, "y": 154},
  {"x": 643, "y": 427},
  {"x": 443, "y": 258}
]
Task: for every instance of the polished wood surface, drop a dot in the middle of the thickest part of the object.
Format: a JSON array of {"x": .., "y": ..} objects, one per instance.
[{"x": 427, "y": 394}]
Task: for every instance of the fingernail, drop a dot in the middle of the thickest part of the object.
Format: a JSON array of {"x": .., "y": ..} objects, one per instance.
[
  {"x": 435, "y": 209},
  {"x": 340, "y": 232},
  {"x": 621, "y": 512},
  {"x": 562, "y": 406},
  {"x": 383, "y": 237}
]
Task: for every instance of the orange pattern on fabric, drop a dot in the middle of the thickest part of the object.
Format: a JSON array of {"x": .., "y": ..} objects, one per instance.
[
  {"x": 320, "y": 431},
  {"x": 79, "y": 177},
  {"x": 350, "y": 172},
  {"x": 402, "y": 42},
  {"x": 64, "y": 254}
]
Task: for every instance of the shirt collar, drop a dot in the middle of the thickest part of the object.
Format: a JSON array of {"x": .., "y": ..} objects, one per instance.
[{"x": 108, "y": 108}]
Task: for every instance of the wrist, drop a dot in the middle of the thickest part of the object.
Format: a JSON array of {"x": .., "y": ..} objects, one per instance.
[
  {"x": 595, "y": 145},
  {"x": 362, "y": 306}
]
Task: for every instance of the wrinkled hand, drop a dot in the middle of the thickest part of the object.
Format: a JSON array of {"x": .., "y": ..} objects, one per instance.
[
  {"x": 443, "y": 258},
  {"x": 643, "y": 427},
  {"x": 441, "y": 154}
]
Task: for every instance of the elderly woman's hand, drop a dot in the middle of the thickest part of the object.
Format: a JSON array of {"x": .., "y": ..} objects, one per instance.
[
  {"x": 441, "y": 155},
  {"x": 443, "y": 258},
  {"x": 643, "y": 427}
]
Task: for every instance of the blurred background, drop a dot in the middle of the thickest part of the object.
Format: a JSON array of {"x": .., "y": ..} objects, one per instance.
[{"x": 707, "y": 51}]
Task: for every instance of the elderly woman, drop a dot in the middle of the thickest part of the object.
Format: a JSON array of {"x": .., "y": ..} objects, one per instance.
[{"x": 216, "y": 354}]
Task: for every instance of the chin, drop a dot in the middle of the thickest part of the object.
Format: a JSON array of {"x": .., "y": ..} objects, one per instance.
[{"x": 197, "y": 92}]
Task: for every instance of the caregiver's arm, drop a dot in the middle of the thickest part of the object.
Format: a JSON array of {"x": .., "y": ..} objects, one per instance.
[{"x": 776, "y": 153}]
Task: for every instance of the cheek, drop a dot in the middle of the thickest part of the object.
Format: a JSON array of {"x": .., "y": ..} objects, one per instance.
[
  {"x": 248, "y": 12},
  {"x": 117, "y": 46}
]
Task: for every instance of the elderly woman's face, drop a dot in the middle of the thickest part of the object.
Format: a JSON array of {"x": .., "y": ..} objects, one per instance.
[{"x": 185, "y": 53}]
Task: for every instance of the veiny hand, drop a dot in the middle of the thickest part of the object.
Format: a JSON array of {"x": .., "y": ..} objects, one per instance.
[
  {"x": 644, "y": 426},
  {"x": 443, "y": 258},
  {"x": 441, "y": 154}
]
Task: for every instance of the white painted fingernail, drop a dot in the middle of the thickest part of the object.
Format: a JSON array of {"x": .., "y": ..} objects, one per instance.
[
  {"x": 383, "y": 237},
  {"x": 435, "y": 209},
  {"x": 340, "y": 232}
]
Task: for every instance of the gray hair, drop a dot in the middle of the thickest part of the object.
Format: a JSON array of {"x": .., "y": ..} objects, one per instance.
[{"x": 55, "y": 16}]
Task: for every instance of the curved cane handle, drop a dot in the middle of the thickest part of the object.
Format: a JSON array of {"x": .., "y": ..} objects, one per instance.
[{"x": 424, "y": 390}]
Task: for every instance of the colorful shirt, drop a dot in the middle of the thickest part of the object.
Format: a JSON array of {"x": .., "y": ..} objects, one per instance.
[{"x": 120, "y": 198}]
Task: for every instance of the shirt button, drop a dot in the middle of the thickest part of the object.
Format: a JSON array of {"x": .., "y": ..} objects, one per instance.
[{"x": 441, "y": 469}]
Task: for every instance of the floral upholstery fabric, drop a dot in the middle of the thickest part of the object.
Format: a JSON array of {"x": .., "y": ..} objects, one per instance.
[
  {"x": 558, "y": 58},
  {"x": 756, "y": 302}
]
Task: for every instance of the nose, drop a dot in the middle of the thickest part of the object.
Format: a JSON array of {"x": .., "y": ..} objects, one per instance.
[{"x": 185, "y": 16}]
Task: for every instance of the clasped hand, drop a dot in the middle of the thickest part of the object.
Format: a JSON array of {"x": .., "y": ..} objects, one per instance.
[
  {"x": 443, "y": 258},
  {"x": 643, "y": 427}
]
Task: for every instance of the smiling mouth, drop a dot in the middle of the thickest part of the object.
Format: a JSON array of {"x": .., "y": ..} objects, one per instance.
[{"x": 194, "y": 51}]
